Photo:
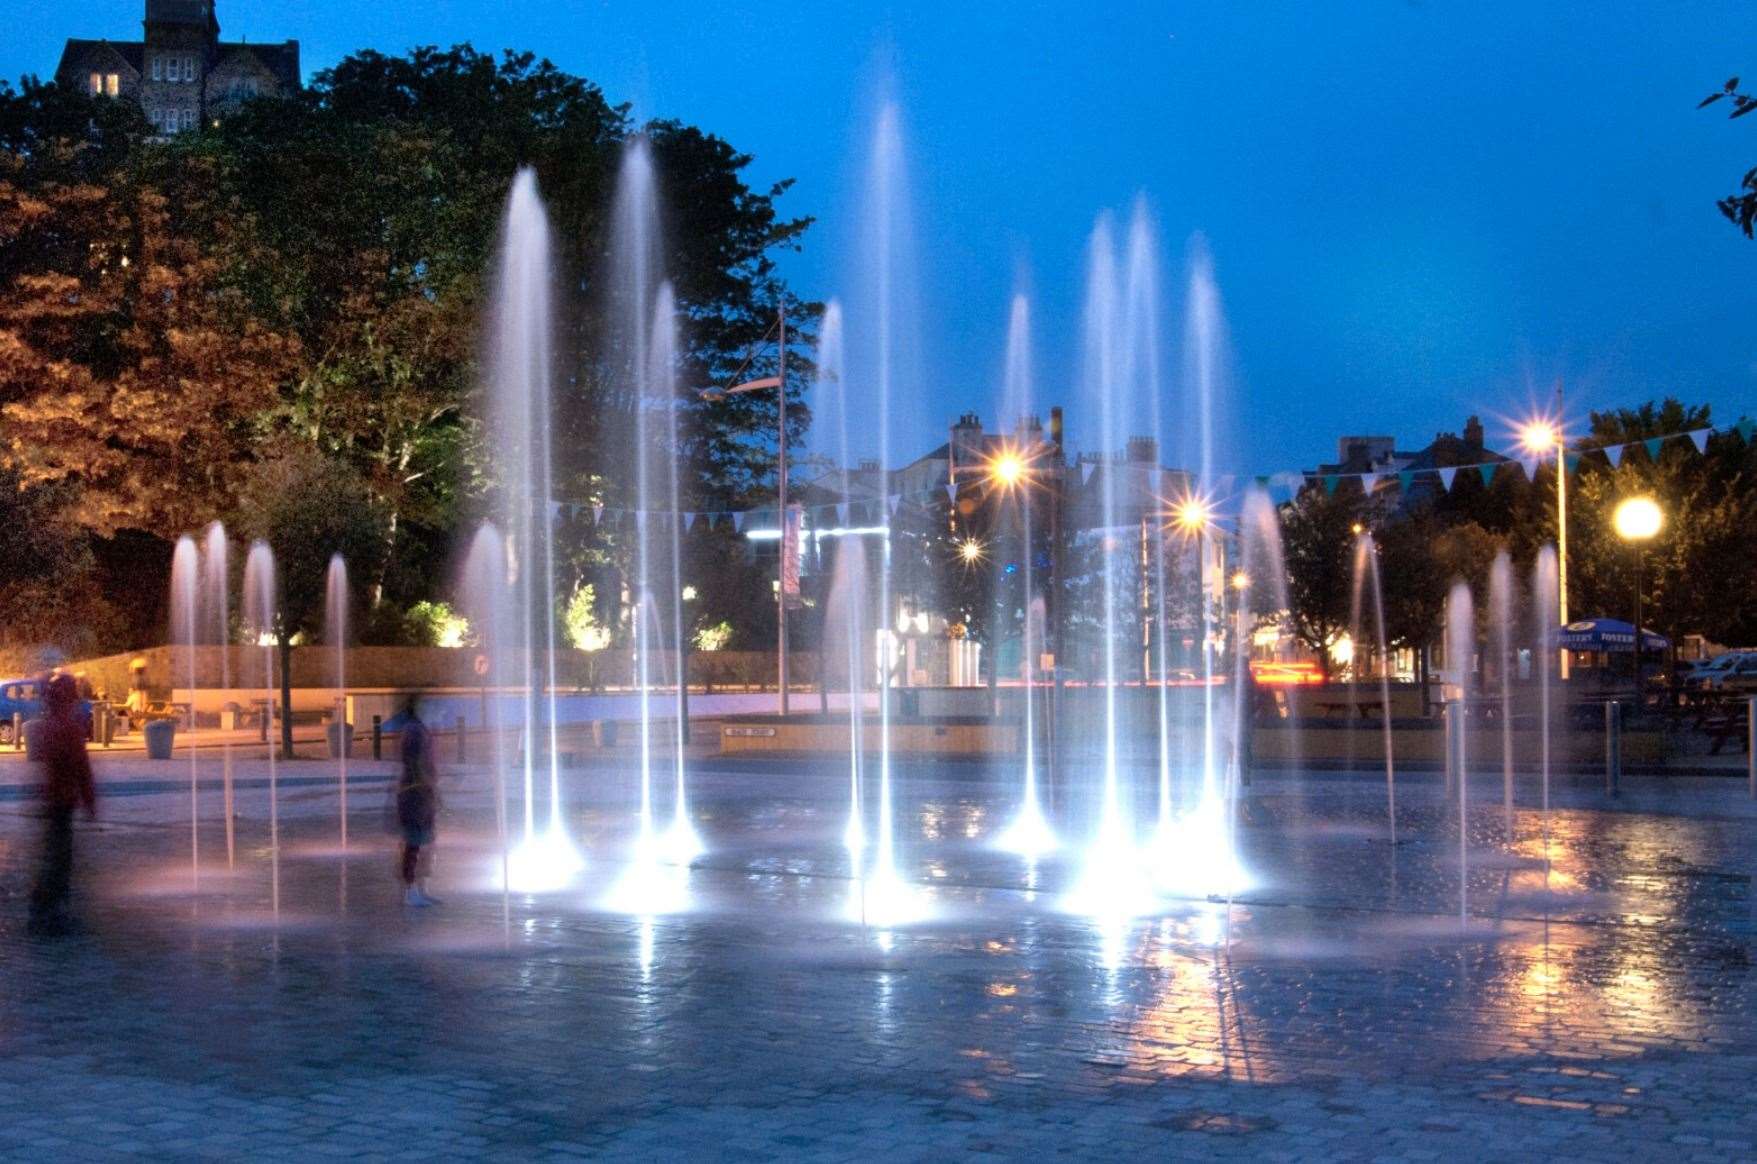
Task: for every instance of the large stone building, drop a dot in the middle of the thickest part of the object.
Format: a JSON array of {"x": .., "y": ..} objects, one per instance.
[{"x": 181, "y": 75}]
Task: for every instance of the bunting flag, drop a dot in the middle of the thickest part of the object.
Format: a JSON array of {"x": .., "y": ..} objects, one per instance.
[
  {"x": 1405, "y": 479},
  {"x": 1652, "y": 445},
  {"x": 714, "y": 519},
  {"x": 896, "y": 499},
  {"x": 952, "y": 491},
  {"x": 1700, "y": 439},
  {"x": 1446, "y": 477},
  {"x": 1614, "y": 454},
  {"x": 1369, "y": 482},
  {"x": 688, "y": 522},
  {"x": 1573, "y": 461},
  {"x": 597, "y": 514},
  {"x": 738, "y": 522},
  {"x": 842, "y": 513},
  {"x": 1086, "y": 468},
  {"x": 1330, "y": 482},
  {"x": 1746, "y": 427},
  {"x": 1487, "y": 472},
  {"x": 1529, "y": 464}
]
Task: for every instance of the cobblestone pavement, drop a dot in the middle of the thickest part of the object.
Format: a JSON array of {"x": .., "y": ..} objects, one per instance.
[{"x": 1603, "y": 1009}]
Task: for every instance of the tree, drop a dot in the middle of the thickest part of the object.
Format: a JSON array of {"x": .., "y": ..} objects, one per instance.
[
  {"x": 127, "y": 367},
  {"x": 307, "y": 507},
  {"x": 1318, "y": 529},
  {"x": 1698, "y": 571},
  {"x": 1420, "y": 555},
  {"x": 1739, "y": 208}
]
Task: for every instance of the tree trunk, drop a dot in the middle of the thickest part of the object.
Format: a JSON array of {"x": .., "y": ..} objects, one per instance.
[{"x": 285, "y": 642}]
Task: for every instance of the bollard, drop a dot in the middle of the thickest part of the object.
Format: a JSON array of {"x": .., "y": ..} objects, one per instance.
[
  {"x": 1454, "y": 742},
  {"x": 378, "y": 737},
  {"x": 1613, "y": 747},
  {"x": 18, "y": 731},
  {"x": 461, "y": 738}
]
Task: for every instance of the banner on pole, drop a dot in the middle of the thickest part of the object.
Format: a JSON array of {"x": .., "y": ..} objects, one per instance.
[{"x": 790, "y": 529}]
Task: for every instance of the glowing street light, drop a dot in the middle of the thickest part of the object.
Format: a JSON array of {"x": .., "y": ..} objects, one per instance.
[
  {"x": 1637, "y": 520},
  {"x": 1192, "y": 515},
  {"x": 970, "y": 551},
  {"x": 1540, "y": 437},
  {"x": 1008, "y": 470},
  {"x": 1241, "y": 581}
]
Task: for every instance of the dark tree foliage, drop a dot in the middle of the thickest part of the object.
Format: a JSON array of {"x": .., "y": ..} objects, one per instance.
[{"x": 1740, "y": 208}]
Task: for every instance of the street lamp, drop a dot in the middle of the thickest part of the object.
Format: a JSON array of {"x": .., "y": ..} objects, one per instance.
[
  {"x": 1539, "y": 437},
  {"x": 789, "y": 536},
  {"x": 970, "y": 551},
  {"x": 1637, "y": 520}
]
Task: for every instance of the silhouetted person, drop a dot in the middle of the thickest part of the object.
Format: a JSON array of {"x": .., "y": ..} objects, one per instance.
[
  {"x": 417, "y": 804},
  {"x": 66, "y": 785}
]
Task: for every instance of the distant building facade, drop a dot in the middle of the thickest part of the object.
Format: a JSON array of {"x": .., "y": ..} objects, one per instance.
[
  {"x": 181, "y": 74},
  {"x": 1406, "y": 479}
]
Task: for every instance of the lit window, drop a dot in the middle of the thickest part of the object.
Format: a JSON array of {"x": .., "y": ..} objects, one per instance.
[
  {"x": 97, "y": 84},
  {"x": 113, "y": 84},
  {"x": 158, "y": 68}
]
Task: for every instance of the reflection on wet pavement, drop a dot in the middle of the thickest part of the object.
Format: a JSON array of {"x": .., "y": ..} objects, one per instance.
[{"x": 1596, "y": 1001}]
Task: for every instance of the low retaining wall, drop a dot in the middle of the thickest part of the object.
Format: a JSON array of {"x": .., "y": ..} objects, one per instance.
[{"x": 960, "y": 737}]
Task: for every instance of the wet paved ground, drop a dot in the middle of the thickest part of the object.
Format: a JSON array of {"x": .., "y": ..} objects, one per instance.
[{"x": 1603, "y": 1009}]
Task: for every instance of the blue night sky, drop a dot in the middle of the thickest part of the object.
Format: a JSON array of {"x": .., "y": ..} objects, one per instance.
[{"x": 1416, "y": 210}]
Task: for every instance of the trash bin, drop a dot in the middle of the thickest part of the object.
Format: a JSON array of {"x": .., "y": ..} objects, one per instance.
[
  {"x": 341, "y": 740},
  {"x": 159, "y": 735}
]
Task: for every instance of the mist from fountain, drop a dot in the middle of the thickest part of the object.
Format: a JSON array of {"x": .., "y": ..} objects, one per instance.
[
  {"x": 519, "y": 379},
  {"x": 335, "y": 629},
  {"x": 186, "y": 632},
  {"x": 261, "y": 616}
]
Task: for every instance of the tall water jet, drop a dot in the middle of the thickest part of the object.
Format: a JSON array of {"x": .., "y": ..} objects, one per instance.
[
  {"x": 1545, "y": 591},
  {"x": 1460, "y": 653},
  {"x": 519, "y": 381},
  {"x": 1204, "y": 339},
  {"x": 1366, "y": 568},
  {"x": 186, "y": 632},
  {"x": 882, "y": 894},
  {"x": 1501, "y": 616},
  {"x": 486, "y": 598},
  {"x": 845, "y": 611},
  {"x": 1029, "y": 833},
  {"x": 260, "y": 616},
  {"x": 681, "y": 843},
  {"x": 335, "y": 628},
  {"x": 216, "y": 617}
]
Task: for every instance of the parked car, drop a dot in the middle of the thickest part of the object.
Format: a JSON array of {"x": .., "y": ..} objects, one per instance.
[
  {"x": 1738, "y": 679},
  {"x": 1704, "y": 672},
  {"x": 24, "y": 698}
]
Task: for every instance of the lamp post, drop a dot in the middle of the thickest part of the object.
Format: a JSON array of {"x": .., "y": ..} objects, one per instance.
[
  {"x": 1540, "y": 437},
  {"x": 779, "y": 383},
  {"x": 1637, "y": 520}
]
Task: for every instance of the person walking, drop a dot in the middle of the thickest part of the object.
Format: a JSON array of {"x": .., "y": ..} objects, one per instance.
[
  {"x": 66, "y": 784},
  {"x": 417, "y": 804}
]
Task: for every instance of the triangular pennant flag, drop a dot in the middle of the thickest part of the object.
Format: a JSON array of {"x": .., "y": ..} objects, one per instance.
[
  {"x": 1573, "y": 461},
  {"x": 1529, "y": 464},
  {"x": 689, "y": 521},
  {"x": 1404, "y": 480},
  {"x": 1652, "y": 445},
  {"x": 1086, "y": 468},
  {"x": 713, "y": 519},
  {"x": 1746, "y": 427},
  {"x": 1614, "y": 454},
  {"x": 597, "y": 514},
  {"x": 895, "y": 499},
  {"x": 1486, "y": 472},
  {"x": 738, "y": 521},
  {"x": 1331, "y": 480},
  {"x": 1700, "y": 439},
  {"x": 952, "y": 491},
  {"x": 842, "y": 513},
  {"x": 1263, "y": 483},
  {"x": 1447, "y": 475},
  {"x": 1369, "y": 482}
]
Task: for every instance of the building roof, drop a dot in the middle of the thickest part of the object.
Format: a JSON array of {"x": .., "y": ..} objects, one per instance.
[{"x": 131, "y": 52}]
